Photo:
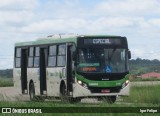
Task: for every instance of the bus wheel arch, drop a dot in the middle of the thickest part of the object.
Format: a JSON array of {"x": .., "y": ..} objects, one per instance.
[
  {"x": 111, "y": 99},
  {"x": 63, "y": 91},
  {"x": 63, "y": 88},
  {"x": 31, "y": 90}
]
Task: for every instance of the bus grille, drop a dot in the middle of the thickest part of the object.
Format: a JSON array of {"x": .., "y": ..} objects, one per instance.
[{"x": 99, "y": 89}]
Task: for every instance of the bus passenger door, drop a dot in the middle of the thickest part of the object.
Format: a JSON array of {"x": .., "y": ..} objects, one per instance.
[
  {"x": 24, "y": 57},
  {"x": 43, "y": 63},
  {"x": 69, "y": 69}
]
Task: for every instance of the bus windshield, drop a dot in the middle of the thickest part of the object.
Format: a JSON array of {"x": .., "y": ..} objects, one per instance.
[{"x": 101, "y": 60}]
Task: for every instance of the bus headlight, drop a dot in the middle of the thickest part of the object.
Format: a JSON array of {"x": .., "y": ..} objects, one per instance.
[
  {"x": 82, "y": 84},
  {"x": 79, "y": 82},
  {"x": 125, "y": 83}
]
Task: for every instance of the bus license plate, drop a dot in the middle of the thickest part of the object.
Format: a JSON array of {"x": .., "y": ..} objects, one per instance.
[{"x": 105, "y": 91}]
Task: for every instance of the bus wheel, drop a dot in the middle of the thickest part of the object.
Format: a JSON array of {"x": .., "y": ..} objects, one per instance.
[
  {"x": 108, "y": 99},
  {"x": 111, "y": 99},
  {"x": 63, "y": 93},
  {"x": 75, "y": 100},
  {"x": 32, "y": 92}
]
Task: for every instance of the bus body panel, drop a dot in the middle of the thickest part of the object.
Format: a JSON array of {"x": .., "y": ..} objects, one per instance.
[
  {"x": 125, "y": 91},
  {"x": 17, "y": 79},
  {"x": 34, "y": 75},
  {"x": 54, "y": 77}
]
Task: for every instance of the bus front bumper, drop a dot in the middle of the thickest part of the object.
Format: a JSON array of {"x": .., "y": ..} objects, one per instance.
[{"x": 80, "y": 91}]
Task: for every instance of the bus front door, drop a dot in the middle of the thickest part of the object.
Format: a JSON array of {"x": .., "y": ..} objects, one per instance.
[
  {"x": 69, "y": 70},
  {"x": 43, "y": 63},
  {"x": 24, "y": 63}
]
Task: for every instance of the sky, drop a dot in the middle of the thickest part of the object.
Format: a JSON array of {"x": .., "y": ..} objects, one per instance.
[{"x": 27, "y": 20}]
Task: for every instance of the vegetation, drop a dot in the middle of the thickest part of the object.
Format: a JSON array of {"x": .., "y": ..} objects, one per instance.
[
  {"x": 144, "y": 94},
  {"x": 141, "y": 66},
  {"x": 6, "y": 82},
  {"x": 7, "y": 73},
  {"x": 147, "y": 79}
]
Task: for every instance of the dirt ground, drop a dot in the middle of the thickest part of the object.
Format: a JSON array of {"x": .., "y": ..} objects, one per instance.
[{"x": 11, "y": 94}]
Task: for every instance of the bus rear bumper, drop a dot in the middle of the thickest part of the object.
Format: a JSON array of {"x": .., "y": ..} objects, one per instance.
[{"x": 80, "y": 91}]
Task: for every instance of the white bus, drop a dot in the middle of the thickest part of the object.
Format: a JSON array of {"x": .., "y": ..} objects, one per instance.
[{"x": 73, "y": 67}]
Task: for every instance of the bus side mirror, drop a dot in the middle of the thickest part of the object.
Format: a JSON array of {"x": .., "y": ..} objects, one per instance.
[{"x": 129, "y": 54}]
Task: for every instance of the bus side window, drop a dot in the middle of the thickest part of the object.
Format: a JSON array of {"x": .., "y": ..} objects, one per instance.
[
  {"x": 18, "y": 58},
  {"x": 52, "y": 55},
  {"x": 61, "y": 58},
  {"x": 36, "y": 57},
  {"x": 30, "y": 62},
  {"x": 30, "y": 58}
]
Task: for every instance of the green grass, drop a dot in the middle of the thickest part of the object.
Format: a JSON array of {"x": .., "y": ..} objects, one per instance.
[
  {"x": 54, "y": 104},
  {"x": 6, "y": 82},
  {"x": 140, "y": 79},
  {"x": 144, "y": 94}
]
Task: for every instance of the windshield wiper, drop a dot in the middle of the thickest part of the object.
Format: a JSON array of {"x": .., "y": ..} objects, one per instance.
[{"x": 109, "y": 57}]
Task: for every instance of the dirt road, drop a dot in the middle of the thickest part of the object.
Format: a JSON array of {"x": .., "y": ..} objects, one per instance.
[{"x": 11, "y": 94}]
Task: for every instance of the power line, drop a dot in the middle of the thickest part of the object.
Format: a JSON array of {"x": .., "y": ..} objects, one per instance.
[
  {"x": 23, "y": 32},
  {"x": 6, "y": 55}
]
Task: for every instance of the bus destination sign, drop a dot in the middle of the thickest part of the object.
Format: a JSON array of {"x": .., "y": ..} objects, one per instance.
[{"x": 102, "y": 41}]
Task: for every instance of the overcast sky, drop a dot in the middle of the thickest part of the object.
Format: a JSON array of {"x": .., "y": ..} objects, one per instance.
[{"x": 27, "y": 20}]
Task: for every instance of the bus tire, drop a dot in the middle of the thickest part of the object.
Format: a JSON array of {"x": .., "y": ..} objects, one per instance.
[
  {"x": 75, "y": 100},
  {"x": 111, "y": 99},
  {"x": 108, "y": 99},
  {"x": 32, "y": 92}
]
